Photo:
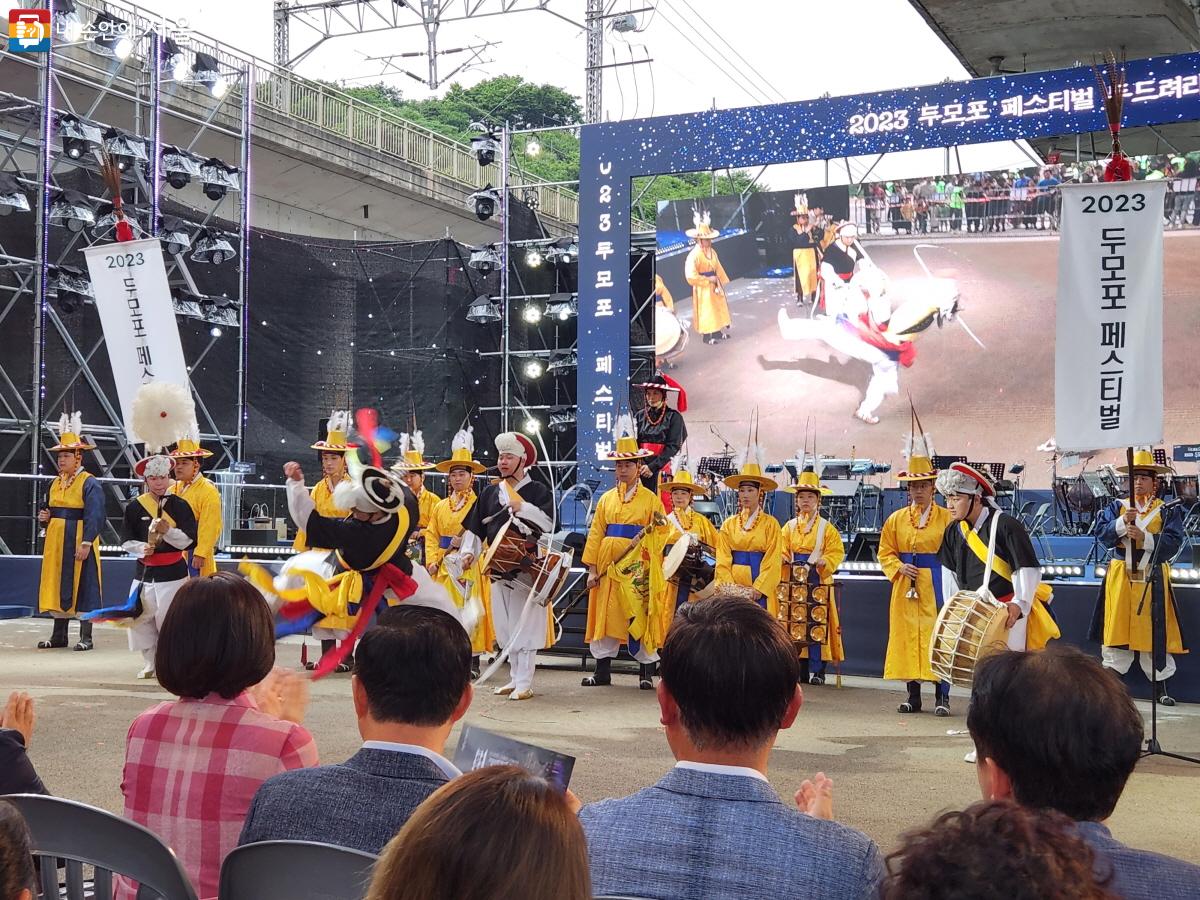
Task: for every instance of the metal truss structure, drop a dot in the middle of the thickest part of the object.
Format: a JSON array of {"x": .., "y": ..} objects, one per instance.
[
  {"x": 156, "y": 94},
  {"x": 329, "y": 19}
]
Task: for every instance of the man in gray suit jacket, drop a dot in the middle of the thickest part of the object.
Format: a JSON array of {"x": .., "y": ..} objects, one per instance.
[
  {"x": 411, "y": 683},
  {"x": 713, "y": 828},
  {"x": 1056, "y": 730}
]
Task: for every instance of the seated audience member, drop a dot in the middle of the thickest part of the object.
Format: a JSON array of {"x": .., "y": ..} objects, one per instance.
[
  {"x": 498, "y": 833},
  {"x": 1055, "y": 730},
  {"x": 713, "y": 827},
  {"x": 17, "y": 775},
  {"x": 17, "y": 880},
  {"x": 192, "y": 765},
  {"x": 994, "y": 851},
  {"x": 411, "y": 683}
]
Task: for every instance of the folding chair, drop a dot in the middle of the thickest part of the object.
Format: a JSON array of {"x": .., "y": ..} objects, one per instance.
[
  {"x": 85, "y": 836},
  {"x": 295, "y": 870}
]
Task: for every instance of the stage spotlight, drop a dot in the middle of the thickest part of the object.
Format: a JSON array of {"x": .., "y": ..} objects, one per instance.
[
  {"x": 172, "y": 59},
  {"x": 207, "y": 71},
  {"x": 72, "y": 210},
  {"x": 179, "y": 167},
  {"x": 483, "y": 311},
  {"x": 218, "y": 178},
  {"x": 532, "y": 313},
  {"x": 213, "y": 247},
  {"x": 563, "y": 364},
  {"x": 78, "y": 136},
  {"x": 532, "y": 426},
  {"x": 69, "y": 286},
  {"x": 534, "y": 368},
  {"x": 67, "y": 21},
  {"x": 563, "y": 252},
  {"x": 113, "y": 36},
  {"x": 562, "y": 419},
  {"x": 484, "y": 203},
  {"x": 531, "y": 198},
  {"x": 174, "y": 235},
  {"x": 485, "y": 259},
  {"x": 106, "y": 218},
  {"x": 12, "y": 195},
  {"x": 485, "y": 147},
  {"x": 533, "y": 147},
  {"x": 533, "y": 258},
  {"x": 562, "y": 306},
  {"x": 215, "y": 331},
  {"x": 125, "y": 149}
]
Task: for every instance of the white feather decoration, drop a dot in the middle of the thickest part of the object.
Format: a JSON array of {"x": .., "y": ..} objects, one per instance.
[
  {"x": 77, "y": 423},
  {"x": 464, "y": 439},
  {"x": 418, "y": 442},
  {"x": 402, "y": 444},
  {"x": 162, "y": 413},
  {"x": 918, "y": 445},
  {"x": 679, "y": 463},
  {"x": 339, "y": 420},
  {"x": 801, "y": 201},
  {"x": 64, "y": 425},
  {"x": 624, "y": 427}
]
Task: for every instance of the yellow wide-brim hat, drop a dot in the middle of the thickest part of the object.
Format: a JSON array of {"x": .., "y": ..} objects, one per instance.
[
  {"x": 461, "y": 459},
  {"x": 808, "y": 481},
  {"x": 335, "y": 442},
  {"x": 411, "y": 461},
  {"x": 69, "y": 442},
  {"x": 920, "y": 468},
  {"x": 751, "y": 472},
  {"x": 627, "y": 448},
  {"x": 683, "y": 482},
  {"x": 188, "y": 449},
  {"x": 703, "y": 233},
  {"x": 1143, "y": 461}
]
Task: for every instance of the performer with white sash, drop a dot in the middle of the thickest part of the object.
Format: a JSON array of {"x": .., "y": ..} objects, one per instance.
[
  {"x": 686, "y": 525},
  {"x": 810, "y": 540},
  {"x": 443, "y": 541},
  {"x": 1122, "y": 622},
  {"x": 908, "y": 554},
  {"x": 518, "y": 505}
]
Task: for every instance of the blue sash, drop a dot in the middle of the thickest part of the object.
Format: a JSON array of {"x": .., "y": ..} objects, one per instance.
[
  {"x": 68, "y": 513},
  {"x": 622, "y": 531},
  {"x": 752, "y": 559},
  {"x": 931, "y": 562},
  {"x": 444, "y": 542}
]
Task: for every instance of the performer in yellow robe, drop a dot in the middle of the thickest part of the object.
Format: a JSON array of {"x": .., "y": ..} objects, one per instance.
[
  {"x": 1133, "y": 534},
  {"x": 443, "y": 539},
  {"x": 811, "y": 540},
  {"x": 662, "y": 294},
  {"x": 331, "y": 452},
  {"x": 204, "y": 499},
  {"x": 73, "y": 517},
  {"x": 750, "y": 544},
  {"x": 706, "y": 275},
  {"x": 686, "y": 524},
  {"x": 908, "y": 555},
  {"x": 806, "y": 253},
  {"x": 621, "y": 515},
  {"x": 412, "y": 468}
]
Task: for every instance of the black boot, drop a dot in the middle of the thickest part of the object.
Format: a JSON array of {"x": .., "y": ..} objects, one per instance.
[
  {"x": 474, "y": 667},
  {"x": 646, "y": 676},
  {"x": 326, "y": 647},
  {"x": 85, "y": 636},
  {"x": 58, "y": 637},
  {"x": 913, "y": 703},
  {"x": 603, "y": 674},
  {"x": 804, "y": 670},
  {"x": 942, "y": 694},
  {"x": 1161, "y": 695}
]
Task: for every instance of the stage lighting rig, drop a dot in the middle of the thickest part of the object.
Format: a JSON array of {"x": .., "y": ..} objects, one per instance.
[
  {"x": 213, "y": 247},
  {"x": 531, "y": 314},
  {"x": 218, "y": 178},
  {"x": 485, "y": 259},
  {"x": 563, "y": 364},
  {"x": 125, "y": 149},
  {"x": 534, "y": 369},
  {"x": 173, "y": 59},
  {"x": 179, "y": 167},
  {"x": 532, "y": 425},
  {"x": 483, "y": 311},
  {"x": 484, "y": 203},
  {"x": 563, "y": 252},
  {"x": 562, "y": 419},
  {"x": 562, "y": 306},
  {"x": 70, "y": 286},
  {"x": 12, "y": 195},
  {"x": 533, "y": 257},
  {"x": 67, "y": 21},
  {"x": 106, "y": 218},
  {"x": 533, "y": 147},
  {"x": 174, "y": 235},
  {"x": 79, "y": 137},
  {"x": 207, "y": 71},
  {"x": 485, "y": 147},
  {"x": 72, "y": 210},
  {"x": 113, "y": 36}
]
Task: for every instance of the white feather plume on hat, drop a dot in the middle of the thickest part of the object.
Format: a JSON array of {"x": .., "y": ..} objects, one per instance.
[
  {"x": 417, "y": 442},
  {"x": 64, "y": 425},
  {"x": 403, "y": 443},
  {"x": 753, "y": 452},
  {"x": 918, "y": 445},
  {"x": 339, "y": 420},
  {"x": 464, "y": 439},
  {"x": 624, "y": 427},
  {"x": 701, "y": 217},
  {"x": 162, "y": 414}
]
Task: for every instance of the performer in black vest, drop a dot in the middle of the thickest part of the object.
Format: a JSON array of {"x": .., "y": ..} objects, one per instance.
[
  {"x": 524, "y": 510},
  {"x": 660, "y": 428}
]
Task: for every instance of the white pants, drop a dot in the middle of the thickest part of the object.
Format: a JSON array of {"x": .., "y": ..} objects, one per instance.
[
  {"x": 156, "y": 600},
  {"x": 330, "y": 634},
  {"x": 1119, "y": 659},
  {"x": 885, "y": 371},
  {"x": 508, "y": 603},
  {"x": 609, "y": 647}
]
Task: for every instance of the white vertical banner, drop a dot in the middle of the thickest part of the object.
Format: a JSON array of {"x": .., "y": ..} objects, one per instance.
[
  {"x": 129, "y": 282},
  {"x": 1108, "y": 343}
]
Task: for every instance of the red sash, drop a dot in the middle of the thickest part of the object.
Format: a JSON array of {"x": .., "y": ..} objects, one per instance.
[{"x": 164, "y": 558}]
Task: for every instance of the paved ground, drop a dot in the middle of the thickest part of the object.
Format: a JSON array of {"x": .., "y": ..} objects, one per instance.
[
  {"x": 961, "y": 391},
  {"x": 891, "y": 772}
]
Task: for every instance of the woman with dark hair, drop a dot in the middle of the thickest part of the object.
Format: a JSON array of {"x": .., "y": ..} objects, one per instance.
[
  {"x": 192, "y": 765},
  {"x": 995, "y": 850},
  {"x": 16, "y": 859},
  {"x": 498, "y": 833}
]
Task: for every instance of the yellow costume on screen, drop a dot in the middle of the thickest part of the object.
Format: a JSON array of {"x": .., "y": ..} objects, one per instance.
[
  {"x": 446, "y": 523},
  {"x": 800, "y": 540},
  {"x": 710, "y": 312}
]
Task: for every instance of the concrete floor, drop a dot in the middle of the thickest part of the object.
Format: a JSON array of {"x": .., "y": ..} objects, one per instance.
[{"x": 891, "y": 772}]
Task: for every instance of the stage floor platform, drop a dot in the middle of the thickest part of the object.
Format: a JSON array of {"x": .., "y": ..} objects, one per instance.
[{"x": 890, "y": 772}]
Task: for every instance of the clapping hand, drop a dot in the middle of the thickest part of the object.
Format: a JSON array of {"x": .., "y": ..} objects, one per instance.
[
  {"x": 19, "y": 715},
  {"x": 282, "y": 694},
  {"x": 815, "y": 797}
]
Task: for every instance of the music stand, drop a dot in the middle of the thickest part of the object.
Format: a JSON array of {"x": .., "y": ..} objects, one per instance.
[{"x": 720, "y": 466}]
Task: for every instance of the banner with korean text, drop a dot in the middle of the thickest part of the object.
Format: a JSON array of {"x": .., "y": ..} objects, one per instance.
[
  {"x": 1108, "y": 371},
  {"x": 129, "y": 283}
]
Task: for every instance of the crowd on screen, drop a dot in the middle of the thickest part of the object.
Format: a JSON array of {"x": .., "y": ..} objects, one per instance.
[{"x": 1052, "y": 765}]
